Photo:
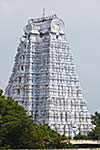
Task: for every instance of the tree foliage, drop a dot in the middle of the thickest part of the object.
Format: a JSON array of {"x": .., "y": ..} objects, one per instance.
[
  {"x": 18, "y": 130},
  {"x": 95, "y": 133},
  {"x": 96, "y": 119},
  {"x": 80, "y": 136}
]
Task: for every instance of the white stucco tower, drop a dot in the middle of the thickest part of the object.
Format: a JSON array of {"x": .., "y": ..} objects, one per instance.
[{"x": 44, "y": 80}]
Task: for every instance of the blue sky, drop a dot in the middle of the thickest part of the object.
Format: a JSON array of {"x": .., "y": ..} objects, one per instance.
[{"x": 82, "y": 22}]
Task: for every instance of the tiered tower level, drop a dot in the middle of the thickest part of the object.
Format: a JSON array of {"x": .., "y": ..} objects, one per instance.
[{"x": 44, "y": 80}]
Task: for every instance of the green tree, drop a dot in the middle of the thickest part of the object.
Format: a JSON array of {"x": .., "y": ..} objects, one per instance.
[
  {"x": 95, "y": 133},
  {"x": 16, "y": 127},
  {"x": 18, "y": 130},
  {"x": 80, "y": 136},
  {"x": 96, "y": 119}
]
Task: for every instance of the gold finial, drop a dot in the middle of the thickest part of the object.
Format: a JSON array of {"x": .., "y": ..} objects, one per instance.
[{"x": 43, "y": 12}]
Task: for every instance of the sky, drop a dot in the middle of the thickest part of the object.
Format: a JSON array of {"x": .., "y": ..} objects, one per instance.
[{"x": 82, "y": 23}]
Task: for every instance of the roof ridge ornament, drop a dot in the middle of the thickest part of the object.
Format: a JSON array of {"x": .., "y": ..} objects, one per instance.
[{"x": 43, "y": 18}]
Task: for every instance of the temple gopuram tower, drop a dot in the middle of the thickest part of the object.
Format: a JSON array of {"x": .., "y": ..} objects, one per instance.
[{"x": 44, "y": 79}]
